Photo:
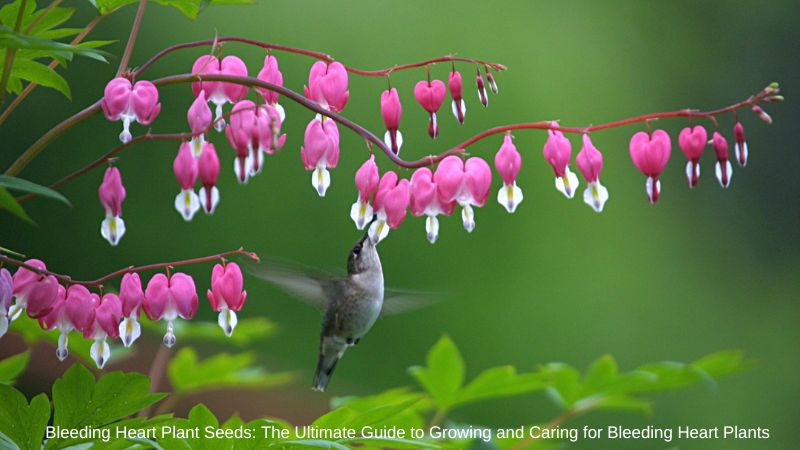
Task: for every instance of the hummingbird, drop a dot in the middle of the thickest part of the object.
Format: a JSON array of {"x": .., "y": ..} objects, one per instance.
[{"x": 351, "y": 304}]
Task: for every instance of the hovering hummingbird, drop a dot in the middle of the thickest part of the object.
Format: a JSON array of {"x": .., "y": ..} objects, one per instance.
[{"x": 351, "y": 304}]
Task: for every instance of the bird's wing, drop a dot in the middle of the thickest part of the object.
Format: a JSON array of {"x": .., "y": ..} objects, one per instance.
[
  {"x": 308, "y": 285},
  {"x": 397, "y": 301}
]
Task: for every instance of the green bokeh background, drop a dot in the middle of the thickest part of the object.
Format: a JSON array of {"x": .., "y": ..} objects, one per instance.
[{"x": 704, "y": 270}]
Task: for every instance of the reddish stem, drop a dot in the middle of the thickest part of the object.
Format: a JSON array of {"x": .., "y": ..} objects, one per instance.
[
  {"x": 130, "y": 269},
  {"x": 314, "y": 54},
  {"x": 137, "y": 24}
]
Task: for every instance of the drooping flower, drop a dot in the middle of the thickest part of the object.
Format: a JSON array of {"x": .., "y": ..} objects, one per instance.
[
  {"x": 484, "y": 98},
  {"x": 199, "y": 117},
  {"x": 650, "y": 155},
  {"x": 759, "y": 111},
  {"x": 740, "y": 147},
  {"x": 367, "y": 178},
  {"x": 426, "y": 199},
  {"x": 455, "y": 83},
  {"x": 208, "y": 170},
  {"x": 558, "y": 153},
  {"x": 112, "y": 194},
  {"x": 327, "y": 85},
  {"x": 241, "y": 133},
  {"x": 392, "y": 111},
  {"x": 271, "y": 73},
  {"x": 170, "y": 298},
  {"x": 320, "y": 151},
  {"x": 227, "y": 295},
  {"x": 185, "y": 169},
  {"x": 430, "y": 94},
  {"x": 590, "y": 162},
  {"x": 132, "y": 297},
  {"x": 6, "y": 296},
  {"x": 723, "y": 167},
  {"x": 33, "y": 293},
  {"x": 107, "y": 315},
  {"x": 267, "y": 137},
  {"x": 466, "y": 183},
  {"x": 692, "y": 142},
  {"x": 58, "y": 318},
  {"x": 507, "y": 161},
  {"x": 130, "y": 102},
  {"x": 219, "y": 92},
  {"x": 390, "y": 205},
  {"x": 492, "y": 82}
]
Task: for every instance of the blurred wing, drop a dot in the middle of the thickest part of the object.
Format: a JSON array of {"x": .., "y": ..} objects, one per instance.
[
  {"x": 396, "y": 301},
  {"x": 308, "y": 285}
]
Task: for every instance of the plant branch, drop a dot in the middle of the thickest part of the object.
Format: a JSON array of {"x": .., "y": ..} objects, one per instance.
[
  {"x": 156, "y": 373},
  {"x": 42, "y": 16},
  {"x": 130, "y": 269},
  {"x": 314, "y": 54},
  {"x": 31, "y": 86},
  {"x": 137, "y": 24},
  {"x": 11, "y": 52}
]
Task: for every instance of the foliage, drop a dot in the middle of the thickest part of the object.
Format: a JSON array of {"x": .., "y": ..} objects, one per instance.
[
  {"x": 190, "y": 8},
  {"x": 13, "y": 366},
  {"x": 79, "y": 400}
]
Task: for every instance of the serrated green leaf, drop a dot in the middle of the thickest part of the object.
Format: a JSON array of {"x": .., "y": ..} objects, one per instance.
[
  {"x": 188, "y": 374},
  {"x": 564, "y": 383},
  {"x": 19, "y": 184},
  {"x": 190, "y": 8},
  {"x": 335, "y": 418},
  {"x": 13, "y": 366},
  {"x": 499, "y": 382},
  {"x": 600, "y": 374},
  {"x": 10, "y": 204},
  {"x": 36, "y": 72},
  {"x": 21, "y": 423},
  {"x": 11, "y": 39},
  {"x": 444, "y": 374},
  {"x": 79, "y": 400},
  {"x": 199, "y": 417}
]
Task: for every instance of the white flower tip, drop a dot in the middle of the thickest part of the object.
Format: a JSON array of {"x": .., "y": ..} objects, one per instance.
[
  {"x": 227, "y": 320},
  {"x": 187, "y": 204},
  {"x": 361, "y": 212},
  {"x": 255, "y": 162},
  {"x": 242, "y": 169},
  {"x": 63, "y": 349},
  {"x": 112, "y": 229},
  {"x": 692, "y": 173},
  {"x": 321, "y": 180},
  {"x": 741, "y": 153},
  {"x": 129, "y": 331},
  {"x": 3, "y": 325},
  {"x": 219, "y": 121},
  {"x": 653, "y": 191},
  {"x": 197, "y": 145},
  {"x": 209, "y": 198},
  {"x": 432, "y": 229},
  {"x": 468, "y": 217},
  {"x": 724, "y": 173},
  {"x": 169, "y": 339},
  {"x": 567, "y": 184},
  {"x": 125, "y": 136},
  {"x": 100, "y": 352},
  {"x": 459, "y": 110},
  {"x": 281, "y": 112},
  {"x": 378, "y": 231},
  {"x": 510, "y": 196},
  {"x": 595, "y": 196},
  {"x": 15, "y": 311}
]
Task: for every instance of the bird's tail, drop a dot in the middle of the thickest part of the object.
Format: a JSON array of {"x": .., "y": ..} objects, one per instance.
[{"x": 330, "y": 353}]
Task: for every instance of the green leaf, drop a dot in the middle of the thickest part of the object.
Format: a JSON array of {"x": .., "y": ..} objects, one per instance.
[
  {"x": 80, "y": 401},
  {"x": 564, "y": 383},
  {"x": 9, "y": 203},
  {"x": 21, "y": 423},
  {"x": 392, "y": 443},
  {"x": 444, "y": 373},
  {"x": 314, "y": 443},
  {"x": 11, "y": 39},
  {"x": 39, "y": 73},
  {"x": 19, "y": 184},
  {"x": 188, "y": 374},
  {"x": 12, "y": 367},
  {"x": 503, "y": 381},
  {"x": 199, "y": 417},
  {"x": 190, "y": 8}
]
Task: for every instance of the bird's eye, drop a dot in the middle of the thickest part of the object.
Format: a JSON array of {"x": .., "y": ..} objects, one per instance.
[{"x": 357, "y": 249}]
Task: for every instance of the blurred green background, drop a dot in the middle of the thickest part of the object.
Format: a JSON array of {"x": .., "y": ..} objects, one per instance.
[{"x": 704, "y": 270}]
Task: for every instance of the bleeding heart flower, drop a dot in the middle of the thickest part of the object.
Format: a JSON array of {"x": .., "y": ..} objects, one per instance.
[
  {"x": 507, "y": 161},
  {"x": 33, "y": 293},
  {"x": 425, "y": 199},
  {"x": 466, "y": 183},
  {"x": 170, "y": 298},
  {"x": 430, "y": 94},
  {"x": 132, "y": 297},
  {"x": 112, "y": 194},
  {"x": 391, "y": 202},
  {"x": 692, "y": 142},
  {"x": 208, "y": 170},
  {"x": 107, "y": 315},
  {"x": 227, "y": 295},
  {"x": 459, "y": 107},
  {"x": 740, "y": 148},
  {"x": 199, "y": 117},
  {"x": 723, "y": 167},
  {"x": 320, "y": 151},
  {"x": 268, "y": 138},
  {"x": 650, "y": 155},
  {"x": 558, "y": 153},
  {"x": 270, "y": 73},
  {"x": 128, "y": 102},
  {"x": 481, "y": 89},
  {"x": 219, "y": 92},
  {"x": 367, "y": 178},
  {"x": 327, "y": 85},
  {"x": 492, "y": 83},
  {"x": 242, "y": 134},
  {"x": 590, "y": 162},
  {"x": 6, "y": 295},
  {"x": 185, "y": 168},
  {"x": 392, "y": 111},
  {"x": 58, "y": 318}
]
